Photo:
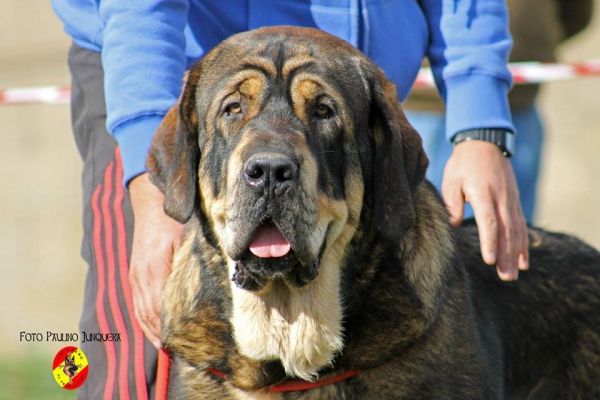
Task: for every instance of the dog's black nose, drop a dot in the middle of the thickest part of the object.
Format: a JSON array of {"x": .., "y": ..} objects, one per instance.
[{"x": 273, "y": 173}]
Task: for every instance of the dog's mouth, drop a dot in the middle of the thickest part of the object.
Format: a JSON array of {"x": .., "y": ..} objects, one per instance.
[
  {"x": 270, "y": 256},
  {"x": 269, "y": 242}
]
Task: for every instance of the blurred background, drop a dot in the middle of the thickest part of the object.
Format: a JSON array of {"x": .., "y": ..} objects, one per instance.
[{"x": 43, "y": 275}]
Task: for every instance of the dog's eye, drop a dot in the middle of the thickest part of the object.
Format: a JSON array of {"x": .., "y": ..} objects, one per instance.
[
  {"x": 233, "y": 108},
  {"x": 322, "y": 111}
]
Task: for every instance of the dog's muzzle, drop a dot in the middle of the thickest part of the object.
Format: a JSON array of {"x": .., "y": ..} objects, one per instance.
[
  {"x": 268, "y": 253},
  {"x": 270, "y": 256}
]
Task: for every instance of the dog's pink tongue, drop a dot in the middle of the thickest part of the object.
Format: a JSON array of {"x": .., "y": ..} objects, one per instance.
[{"x": 269, "y": 242}]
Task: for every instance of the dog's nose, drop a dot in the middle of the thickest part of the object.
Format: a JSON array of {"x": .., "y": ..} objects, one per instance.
[{"x": 273, "y": 173}]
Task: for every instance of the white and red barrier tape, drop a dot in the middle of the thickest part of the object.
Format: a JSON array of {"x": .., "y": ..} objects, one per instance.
[
  {"x": 531, "y": 72},
  {"x": 523, "y": 73},
  {"x": 40, "y": 94}
]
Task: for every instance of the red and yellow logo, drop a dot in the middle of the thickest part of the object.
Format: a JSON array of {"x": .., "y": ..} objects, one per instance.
[{"x": 70, "y": 368}]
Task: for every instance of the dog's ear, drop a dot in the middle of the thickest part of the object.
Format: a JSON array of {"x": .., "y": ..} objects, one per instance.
[
  {"x": 400, "y": 161},
  {"x": 175, "y": 154}
]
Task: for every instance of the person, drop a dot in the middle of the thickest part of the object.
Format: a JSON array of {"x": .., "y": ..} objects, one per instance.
[
  {"x": 538, "y": 27},
  {"x": 127, "y": 62}
]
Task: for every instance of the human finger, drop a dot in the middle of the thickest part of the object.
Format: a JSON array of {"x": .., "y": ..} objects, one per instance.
[
  {"x": 455, "y": 201},
  {"x": 484, "y": 210}
]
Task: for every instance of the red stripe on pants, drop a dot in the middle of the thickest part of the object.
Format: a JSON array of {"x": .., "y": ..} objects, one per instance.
[
  {"x": 100, "y": 311},
  {"x": 138, "y": 335},
  {"x": 113, "y": 297}
]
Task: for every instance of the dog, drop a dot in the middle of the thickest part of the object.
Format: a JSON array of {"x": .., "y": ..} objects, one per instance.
[
  {"x": 69, "y": 367},
  {"x": 318, "y": 263}
]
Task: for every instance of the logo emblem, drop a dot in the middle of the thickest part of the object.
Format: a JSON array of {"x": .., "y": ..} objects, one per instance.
[{"x": 70, "y": 368}]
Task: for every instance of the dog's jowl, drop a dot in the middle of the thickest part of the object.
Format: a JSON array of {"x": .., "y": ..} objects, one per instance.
[{"x": 316, "y": 251}]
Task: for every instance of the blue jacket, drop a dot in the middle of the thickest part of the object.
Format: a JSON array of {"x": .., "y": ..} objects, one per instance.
[{"x": 147, "y": 45}]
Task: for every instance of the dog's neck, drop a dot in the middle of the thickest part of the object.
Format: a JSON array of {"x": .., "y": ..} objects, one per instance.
[
  {"x": 333, "y": 321},
  {"x": 302, "y": 328},
  {"x": 403, "y": 282},
  {"x": 427, "y": 249}
]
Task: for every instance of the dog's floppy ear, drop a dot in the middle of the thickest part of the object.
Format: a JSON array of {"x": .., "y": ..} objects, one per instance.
[
  {"x": 399, "y": 160},
  {"x": 175, "y": 154}
]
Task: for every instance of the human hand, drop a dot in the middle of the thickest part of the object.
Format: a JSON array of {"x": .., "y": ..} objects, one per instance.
[
  {"x": 155, "y": 238},
  {"x": 478, "y": 173}
]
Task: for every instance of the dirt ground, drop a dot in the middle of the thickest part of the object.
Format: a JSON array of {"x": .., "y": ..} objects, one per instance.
[{"x": 42, "y": 272}]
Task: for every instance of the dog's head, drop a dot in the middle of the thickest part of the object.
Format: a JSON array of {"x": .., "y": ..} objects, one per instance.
[
  {"x": 286, "y": 141},
  {"x": 69, "y": 360}
]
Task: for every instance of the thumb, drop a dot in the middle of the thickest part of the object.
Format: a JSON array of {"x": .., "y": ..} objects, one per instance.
[{"x": 455, "y": 202}]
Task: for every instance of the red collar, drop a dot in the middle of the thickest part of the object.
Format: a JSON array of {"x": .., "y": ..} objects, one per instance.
[{"x": 293, "y": 385}]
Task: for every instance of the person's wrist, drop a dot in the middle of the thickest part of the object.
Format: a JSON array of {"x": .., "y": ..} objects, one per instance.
[
  {"x": 137, "y": 180},
  {"x": 478, "y": 148},
  {"x": 144, "y": 193},
  {"x": 503, "y": 139}
]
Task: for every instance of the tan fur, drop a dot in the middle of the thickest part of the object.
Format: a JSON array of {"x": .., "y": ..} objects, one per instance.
[
  {"x": 308, "y": 181},
  {"x": 429, "y": 256},
  {"x": 180, "y": 297},
  {"x": 308, "y": 89},
  {"x": 251, "y": 87},
  {"x": 303, "y": 92},
  {"x": 355, "y": 190},
  {"x": 220, "y": 213},
  {"x": 264, "y": 394}
]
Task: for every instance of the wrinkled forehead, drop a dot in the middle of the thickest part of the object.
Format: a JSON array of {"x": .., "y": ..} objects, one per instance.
[{"x": 283, "y": 53}]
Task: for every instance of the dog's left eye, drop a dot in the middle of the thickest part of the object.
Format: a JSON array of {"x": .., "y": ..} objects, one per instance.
[
  {"x": 322, "y": 111},
  {"x": 233, "y": 108}
]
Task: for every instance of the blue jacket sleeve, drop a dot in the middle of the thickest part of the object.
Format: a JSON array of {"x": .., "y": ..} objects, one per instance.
[
  {"x": 468, "y": 52},
  {"x": 143, "y": 56}
]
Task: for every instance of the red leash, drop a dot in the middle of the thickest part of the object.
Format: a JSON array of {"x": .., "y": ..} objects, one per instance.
[
  {"x": 162, "y": 375},
  {"x": 294, "y": 385},
  {"x": 291, "y": 385}
]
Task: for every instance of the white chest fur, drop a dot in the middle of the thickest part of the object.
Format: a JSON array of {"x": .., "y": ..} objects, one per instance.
[{"x": 301, "y": 328}]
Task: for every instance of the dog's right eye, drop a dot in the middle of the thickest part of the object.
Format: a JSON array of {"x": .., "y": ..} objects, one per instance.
[
  {"x": 233, "y": 108},
  {"x": 322, "y": 111}
]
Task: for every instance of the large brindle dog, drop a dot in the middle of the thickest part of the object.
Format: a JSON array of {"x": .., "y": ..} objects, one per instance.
[{"x": 316, "y": 251}]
